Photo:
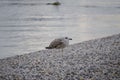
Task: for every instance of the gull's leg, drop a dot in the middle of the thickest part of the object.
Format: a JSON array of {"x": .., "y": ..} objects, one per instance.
[{"x": 62, "y": 49}]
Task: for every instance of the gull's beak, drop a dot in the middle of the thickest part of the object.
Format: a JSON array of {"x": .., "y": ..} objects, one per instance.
[{"x": 70, "y": 38}]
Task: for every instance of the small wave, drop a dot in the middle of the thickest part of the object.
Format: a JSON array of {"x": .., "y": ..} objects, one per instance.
[
  {"x": 42, "y": 19},
  {"x": 24, "y": 4},
  {"x": 90, "y": 6},
  {"x": 118, "y": 7},
  {"x": 99, "y": 6},
  {"x": 11, "y": 45}
]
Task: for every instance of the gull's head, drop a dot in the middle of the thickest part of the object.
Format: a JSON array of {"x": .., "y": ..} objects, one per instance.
[{"x": 67, "y": 38}]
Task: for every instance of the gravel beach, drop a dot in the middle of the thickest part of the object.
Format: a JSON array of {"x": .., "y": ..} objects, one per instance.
[{"x": 97, "y": 59}]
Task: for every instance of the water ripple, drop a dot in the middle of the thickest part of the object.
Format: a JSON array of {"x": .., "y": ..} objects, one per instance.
[
  {"x": 42, "y": 19},
  {"x": 25, "y": 4}
]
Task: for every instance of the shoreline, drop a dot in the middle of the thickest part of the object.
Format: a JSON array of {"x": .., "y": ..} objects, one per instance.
[{"x": 88, "y": 60}]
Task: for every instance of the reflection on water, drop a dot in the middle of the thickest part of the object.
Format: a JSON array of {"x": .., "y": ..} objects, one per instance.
[{"x": 29, "y": 25}]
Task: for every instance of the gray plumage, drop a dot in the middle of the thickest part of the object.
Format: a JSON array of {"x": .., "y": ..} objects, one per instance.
[{"x": 59, "y": 43}]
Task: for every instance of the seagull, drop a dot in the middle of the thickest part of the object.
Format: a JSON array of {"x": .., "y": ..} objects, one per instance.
[{"x": 59, "y": 43}]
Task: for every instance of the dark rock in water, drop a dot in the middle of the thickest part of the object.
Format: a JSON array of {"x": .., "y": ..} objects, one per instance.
[{"x": 55, "y": 3}]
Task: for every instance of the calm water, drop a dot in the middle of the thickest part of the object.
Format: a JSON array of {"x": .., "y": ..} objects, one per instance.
[{"x": 29, "y": 25}]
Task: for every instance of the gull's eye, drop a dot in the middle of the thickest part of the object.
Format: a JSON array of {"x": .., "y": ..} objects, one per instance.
[{"x": 66, "y": 37}]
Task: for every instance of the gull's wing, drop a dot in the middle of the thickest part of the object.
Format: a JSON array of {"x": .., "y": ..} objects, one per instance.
[{"x": 57, "y": 43}]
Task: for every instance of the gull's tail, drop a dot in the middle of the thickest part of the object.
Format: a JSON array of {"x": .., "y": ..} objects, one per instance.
[{"x": 48, "y": 47}]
